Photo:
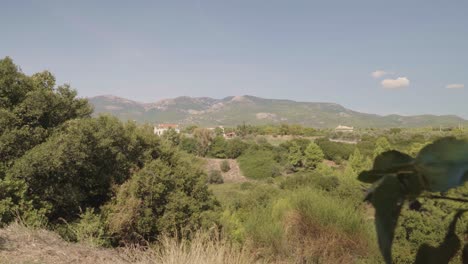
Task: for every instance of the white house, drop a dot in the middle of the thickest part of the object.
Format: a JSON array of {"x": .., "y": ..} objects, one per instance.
[
  {"x": 162, "y": 128},
  {"x": 341, "y": 128}
]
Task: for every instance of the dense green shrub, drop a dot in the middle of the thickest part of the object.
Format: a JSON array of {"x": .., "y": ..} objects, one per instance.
[
  {"x": 334, "y": 150},
  {"x": 366, "y": 147},
  {"x": 381, "y": 145},
  {"x": 188, "y": 144},
  {"x": 224, "y": 166},
  {"x": 218, "y": 148},
  {"x": 428, "y": 224},
  {"x": 313, "y": 156},
  {"x": 31, "y": 107},
  {"x": 235, "y": 147},
  {"x": 215, "y": 177},
  {"x": 301, "y": 142},
  {"x": 172, "y": 137},
  {"x": 440, "y": 167},
  {"x": 76, "y": 167},
  {"x": 259, "y": 164},
  {"x": 295, "y": 157},
  {"x": 167, "y": 196}
]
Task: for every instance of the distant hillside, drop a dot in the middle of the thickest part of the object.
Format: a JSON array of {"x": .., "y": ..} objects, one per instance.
[{"x": 234, "y": 110}]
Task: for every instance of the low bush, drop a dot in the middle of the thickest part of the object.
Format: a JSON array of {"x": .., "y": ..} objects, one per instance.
[
  {"x": 224, "y": 166},
  {"x": 259, "y": 164},
  {"x": 215, "y": 177},
  {"x": 89, "y": 230},
  {"x": 310, "y": 179}
]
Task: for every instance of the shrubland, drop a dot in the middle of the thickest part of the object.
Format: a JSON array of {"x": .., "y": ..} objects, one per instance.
[
  {"x": 91, "y": 178},
  {"x": 109, "y": 184}
]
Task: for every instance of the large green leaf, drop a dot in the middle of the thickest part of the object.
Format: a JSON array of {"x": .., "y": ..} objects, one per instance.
[
  {"x": 387, "y": 199},
  {"x": 443, "y": 164},
  {"x": 386, "y": 163}
]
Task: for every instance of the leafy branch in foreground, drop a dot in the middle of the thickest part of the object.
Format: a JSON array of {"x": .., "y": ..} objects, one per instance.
[{"x": 397, "y": 177}]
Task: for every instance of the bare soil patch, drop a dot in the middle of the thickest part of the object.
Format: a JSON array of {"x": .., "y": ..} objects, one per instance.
[{"x": 233, "y": 175}]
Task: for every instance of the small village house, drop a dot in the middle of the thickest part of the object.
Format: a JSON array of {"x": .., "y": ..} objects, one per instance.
[
  {"x": 163, "y": 128},
  {"x": 341, "y": 128}
]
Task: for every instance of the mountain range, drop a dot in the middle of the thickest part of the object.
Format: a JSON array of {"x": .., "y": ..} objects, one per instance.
[{"x": 235, "y": 110}]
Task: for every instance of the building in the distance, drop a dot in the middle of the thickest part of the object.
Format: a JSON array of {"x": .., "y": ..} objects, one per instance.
[
  {"x": 341, "y": 128},
  {"x": 230, "y": 135},
  {"x": 162, "y": 128}
]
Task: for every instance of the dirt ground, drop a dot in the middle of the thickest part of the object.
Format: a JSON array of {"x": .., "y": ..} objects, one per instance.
[
  {"x": 22, "y": 245},
  {"x": 233, "y": 175},
  {"x": 25, "y": 246}
]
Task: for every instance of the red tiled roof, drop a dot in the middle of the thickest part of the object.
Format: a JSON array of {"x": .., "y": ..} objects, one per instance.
[{"x": 168, "y": 126}]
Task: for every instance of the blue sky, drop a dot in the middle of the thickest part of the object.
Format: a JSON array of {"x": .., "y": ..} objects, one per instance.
[{"x": 300, "y": 50}]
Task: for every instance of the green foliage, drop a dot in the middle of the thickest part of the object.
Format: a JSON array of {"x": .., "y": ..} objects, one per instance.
[
  {"x": 31, "y": 107},
  {"x": 397, "y": 177},
  {"x": 366, "y": 146},
  {"x": 56, "y": 159},
  {"x": 77, "y": 165},
  {"x": 302, "y": 154},
  {"x": 381, "y": 145},
  {"x": 295, "y": 156},
  {"x": 166, "y": 196},
  {"x": 288, "y": 225},
  {"x": 259, "y": 164},
  {"x": 204, "y": 139},
  {"x": 235, "y": 147},
  {"x": 415, "y": 148},
  {"x": 190, "y": 129},
  {"x": 90, "y": 229},
  {"x": 301, "y": 142},
  {"x": 218, "y": 131},
  {"x": 215, "y": 177},
  {"x": 425, "y": 223},
  {"x": 357, "y": 161},
  {"x": 189, "y": 145},
  {"x": 224, "y": 166},
  {"x": 172, "y": 137},
  {"x": 313, "y": 155},
  {"x": 444, "y": 164},
  {"x": 312, "y": 180},
  {"x": 335, "y": 151},
  {"x": 218, "y": 147}
]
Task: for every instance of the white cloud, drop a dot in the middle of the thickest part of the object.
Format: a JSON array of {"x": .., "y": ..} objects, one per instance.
[
  {"x": 455, "y": 86},
  {"x": 397, "y": 83},
  {"x": 379, "y": 74}
]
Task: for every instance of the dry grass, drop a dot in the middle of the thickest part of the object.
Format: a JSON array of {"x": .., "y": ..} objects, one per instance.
[
  {"x": 19, "y": 244},
  {"x": 202, "y": 249},
  {"x": 316, "y": 243}
]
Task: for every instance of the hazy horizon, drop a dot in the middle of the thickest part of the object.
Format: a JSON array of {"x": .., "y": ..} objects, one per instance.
[{"x": 401, "y": 57}]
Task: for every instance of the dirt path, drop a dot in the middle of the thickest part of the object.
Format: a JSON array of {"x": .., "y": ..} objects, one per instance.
[{"x": 233, "y": 175}]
